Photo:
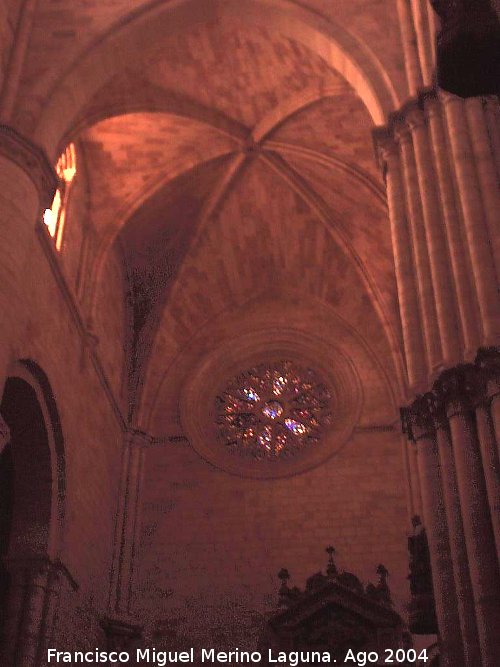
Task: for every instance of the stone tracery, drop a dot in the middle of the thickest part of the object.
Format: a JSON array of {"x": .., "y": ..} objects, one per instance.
[{"x": 273, "y": 411}]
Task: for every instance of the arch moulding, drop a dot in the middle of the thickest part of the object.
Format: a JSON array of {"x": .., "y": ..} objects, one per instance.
[{"x": 51, "y": 462}]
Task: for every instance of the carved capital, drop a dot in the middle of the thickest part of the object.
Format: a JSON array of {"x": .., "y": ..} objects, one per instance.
[
  {"x": 417, "y": 420},
  {"x": 414, "y": 116},
  {"x": 386, "y": 148},
  {"x": 430, "y": 102},
  {"x": 4, "y": 434},
  {"x": 400, "y": 128},
  {"x": 437, "y": 411},
  {"x": 488, "y": 363},
  {"x": 488, "y": 359},
  {"x": 459, "y": 390},
  {"x": 449, "y": 99},
  {"x": 31, "y": 159}
]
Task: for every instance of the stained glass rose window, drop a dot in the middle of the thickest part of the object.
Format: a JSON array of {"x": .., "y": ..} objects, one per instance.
[{"x": 273, "y": 411}]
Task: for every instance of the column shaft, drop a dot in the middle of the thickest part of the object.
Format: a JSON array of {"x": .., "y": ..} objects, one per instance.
[
  {"x": 425, "y": 289},
  {"x": 492, "y": 112},
  {"x": 129, "y": 523},
  {"x": 486, "y": 171},
  {"x": 405, "y": 271},
  {"x": 33, "y": 617},
  {"x": 483, "y": 566},
  {"x": 433, "y": 34},
  {"x": 460, "y": 269},
  {"x": 439, "y": 261},
  {"x": 459, "y": 559},
  {"x": 420, "y": 20},
  {"x": 50, "y": 614},
  {"x": 119, "y": 531},
  {"x": 135, "y": 534},
  {"x": 408, "y": 38},
  {"x": 439, "y": 547},
  {"x": 491, "y": 467},
  {"x": 474, "y": 221},
  {"x": 415, "y": 481}
]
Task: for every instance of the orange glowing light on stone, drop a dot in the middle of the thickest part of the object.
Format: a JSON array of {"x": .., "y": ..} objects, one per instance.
[{"x": 55, "y": 216}]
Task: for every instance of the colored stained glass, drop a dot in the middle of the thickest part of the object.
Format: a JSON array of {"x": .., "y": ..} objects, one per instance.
[{"x": 273, "y": 411}]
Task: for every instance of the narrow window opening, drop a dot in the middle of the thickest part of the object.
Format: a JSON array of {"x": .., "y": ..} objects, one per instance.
[{"x": 55, "y": 216}]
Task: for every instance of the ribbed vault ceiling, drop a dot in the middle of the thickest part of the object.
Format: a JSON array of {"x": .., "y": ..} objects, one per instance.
[{"x": 231, "y": 164}]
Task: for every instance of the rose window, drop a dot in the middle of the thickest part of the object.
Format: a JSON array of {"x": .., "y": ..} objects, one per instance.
[{"x": 273, "y": 411}]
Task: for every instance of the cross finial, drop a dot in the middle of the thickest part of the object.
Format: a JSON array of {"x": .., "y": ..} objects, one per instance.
[
  {"x": 382, "y": 586},
  {"x": 284, "y": 577},
  {"x": 331, "y": 569}
]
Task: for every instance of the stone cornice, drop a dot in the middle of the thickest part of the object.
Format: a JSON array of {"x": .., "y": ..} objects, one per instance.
[{"x": 32, "y": 160}]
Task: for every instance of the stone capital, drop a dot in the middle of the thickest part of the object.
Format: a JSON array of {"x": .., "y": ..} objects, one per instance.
[
  {"x": 459, "y": 390},
  {"x": 449, "y": 99},
  {"x": 400, "y": 129},
  {"x": 386, "y": 148},
  {"x": 488, "y": 363},
  {"x": 430, "y": 102},
  {"x": 437, "y": 412},
  {"x": 32, "y": 160},
  {"x": 417, "y": 420},
  {"x": 414, "y": 115}
]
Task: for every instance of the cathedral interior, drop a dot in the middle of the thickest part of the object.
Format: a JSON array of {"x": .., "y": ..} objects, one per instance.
[{"x": 250, "y": 327}]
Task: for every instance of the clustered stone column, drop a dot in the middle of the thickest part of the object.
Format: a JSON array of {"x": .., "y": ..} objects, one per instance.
[
  {"x": 32, "y": 607},
  {"x": 442, "y": 187},
  {"x": 456, "y": 434},
  {"x": 418, "y": 424},
  {"x": 417, "y": 25}
]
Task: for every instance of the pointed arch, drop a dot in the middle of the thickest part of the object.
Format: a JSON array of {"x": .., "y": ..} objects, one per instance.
[{"x": 36, "y": 449}]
